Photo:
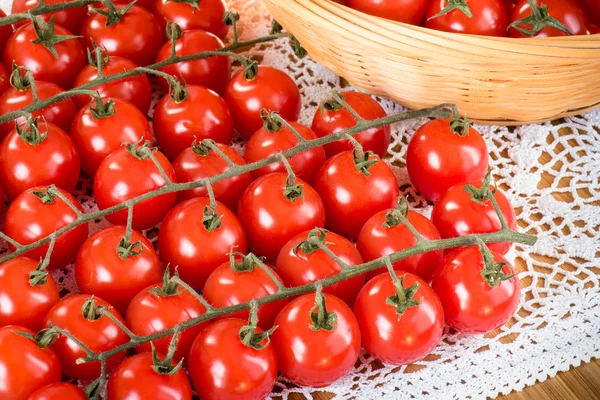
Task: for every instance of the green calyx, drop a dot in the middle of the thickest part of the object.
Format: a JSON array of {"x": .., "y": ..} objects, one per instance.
[
  {"x": 247, "y": 262},
  {"x": 142, "y": 152},
  {"x": 276, "y": 28},
  {"x": 248, "y": 334},
  {"x": 203, "y": 149},
  {"x": 20, "y": 78},
  {"x": 460, "y": 126},
  {"x": 44, "y": 338},
  {"x": 125, "y": 249},
  {"x": 91, "y": 311},
  {"x": 112, "y": 14},
  {"x": 314, "y": 241},
  {"x": 195, "y": 4},
  {"x": 293, "y": 190},
  {"x": 539, "y": 18},
  {"x": 46, "y": 197},
  {"x": 211, "y": 220},
  {"x": 333, "y": 103},
  {"x": 177, "y": 90},
  {"x": 98, "y": 57},
  {"x": 492, "y": 271},
  {"x": 481, "y": 194},
  {"x": 230, "y": 18},
  {"x": 250, "y": 69},
  {"x": 45, "y": 34},
  {"x": 39, "y": 276},
  {"x": 271, "y": 120},
  {"x": 460, "y": 5},
  {"x": 321, "y": 319},
  {"x": 364, "y": 161},
  {"x": 30, "y": 132},
  {"x": 403, "y": 299},
  {"x": 170, "y": 286},
  {"x": 102, "y": 110},
  {"x": 398, "y": 215},
  {"x": 165, "y": 366}
]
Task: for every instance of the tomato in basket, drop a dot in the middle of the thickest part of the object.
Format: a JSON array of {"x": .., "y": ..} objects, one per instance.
[
  {"x": 562, "y": 17},
  {"x": 409, "y": 11},
  {"x": 475, "y": 17}
]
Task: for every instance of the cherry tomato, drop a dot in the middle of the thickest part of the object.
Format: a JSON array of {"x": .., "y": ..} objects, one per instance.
[
  {"x": 128, "y": 173},
  {"x": 438, "y": 158},
  {"x": 592, "y": 11},
  {"x": 509, "y": 5},
  {"x": 334, "y": 118},
  {"x": 264, "y": 144},
  {"x": 408, "y": 11},
  {"x": 40, "y": 155},
  {"x": 471, "y": 305},
  {"x": 136, "y": 35},
  {"x": 350, "y": 196},
  {"x": 457, "y": 214},
  {"x": 199, "y": 161},
  {"x": 271, "y": 89},
  {"x": 5, "y": 32},
  {"x": 60, "y": 114},
  {"x": 385, "y": 233},
  {"x": 96, "y": 135},
  {"x": 71, "y": 18},
  {"x": 311, "y": 352},
  {"x": 244, "y": 371},
  {"x": 135, "y": 89},
  {"x": 114, "y": 269},
  {"x": 488, "y": 17},
  {"x": 184, "y": 234},
  {"x": 45, "y": 66},
  {"x": 272, "y": 212},
  {"x": 567, "y": 12},
  {"x": 36, "y": 214},
  {"x": 399, "y": 337},
  {"x": 212, "y": 72},
  {"x": 230, "y": 285},
  {"x": 206, "y": 15},
  {"x": 59, "y": 391},
  {"x": 4, "y": 79},
  {"x": 301, "y": 261},
  {"x": 135, "y": 378},
  {"x": 147, "y": 4},
  {"x": 26, "y": 365},
  {"x": 203, "y": 114}
]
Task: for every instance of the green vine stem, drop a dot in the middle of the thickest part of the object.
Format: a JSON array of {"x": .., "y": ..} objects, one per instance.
[{"x": 43, "y": 8}]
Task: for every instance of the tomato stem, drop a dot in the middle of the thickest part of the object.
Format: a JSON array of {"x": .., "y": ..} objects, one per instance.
[
  {"x": 112, "y": 14},
  {"x": 293, "y": 190},
  {"x": 492, "y": 271},
  {"x": 165, "y": 366},
  {"x": 30, "y": 132},
  {"x": 90, "y": 311},
  {"x": 170, "y": 286},
  {"x": 270, "y": 122},
  {"x": 98, "y": 58},
  {"x": 460, "y": 5},
  {"x": 43, "y": 8},
  {"x": 481, "y": 194},
  {"x": 231, "y": 19},
  {"x": 211, "y": 220},
  {"x": 399, "y": 216},
  {"x": 102, "y": 110},
  {"x": 248, "y": 334},
  {"x": 320, "y": 317},
  {"x": 247, "y": 263},
  {"x": 539, "y": 18},
  {"x": 22, "y": 80},
  {"x": 403, "y": 299}
]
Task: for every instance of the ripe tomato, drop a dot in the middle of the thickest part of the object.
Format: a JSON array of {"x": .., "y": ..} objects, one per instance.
[
  {"x": 406, "y": 330},
  {"x": 135, "y": 89},
  {"x": 45, "y": 66},
  {"x": 26, "y": 293},
  {"x": 272, "y": 212},
  {"x": 567, "y": 12},
  {"x": 271, "y": 89},
  {"x": 184, "y": 234},
  {"x": 26, "y": 365},
  {"x": 59, "y": 391},
  {"x": 203, "y": 114},
  {"x": 311, "y": 352},
  {"x": 385, "y": 233},
  {"x": 5, "y": 32},
  {"x": 79, "y": 315},
  {"x": 60, "y": 114},
  {"x": 488, "y": 17},
  {"x": 439, "y": 157},
  {"x": 136, "y": 378},
  {"x": 199, "y": 161},
  {"x": 408, "y": 11},
  {"x": 301, "y": 261},
  {"x": 71, "y": 18},
  {"x": 244, "y": 371},
  {"x": 206, "y": 15},
  {"x": 36, "y": 214},
  {"x": 97, "y": 135},
  {"x": 40, "y": 155},
  {"x": 4, "y": 78},
  {"x": 336, "y": 118},
  {"x": 147, "y": 4},
  {"x": 509, "y": 5},
  {"x": 135, "y": 35},
  {"x": 471, "y": 304},
  {"x": 128, "y": 173},
  {"x": 108, "y": 267},
  {"x": 212, "y": 72},
  {"x": 264, "y": 144},
  {"x": 350, "y": 196},
  {"x": 457, "y": 214},
  {"x": 592, "y": 11}
]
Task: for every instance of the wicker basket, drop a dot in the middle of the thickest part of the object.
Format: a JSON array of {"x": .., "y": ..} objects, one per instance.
[{"x": 492, "y": 80}]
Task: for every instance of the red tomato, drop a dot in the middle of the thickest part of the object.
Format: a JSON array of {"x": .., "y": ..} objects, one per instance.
[
  {"x": 59, "y": 391},
  {"x": 135, "y": 378},
  {"x": 264, "y": 144},
  {"x": 198, "y": 162},
  {"x": 96, "y": 136},
  {"x": 437, "y": 158},
  {"x": 212, "y": 72},
  {"x": 592, "y": 11},
  {"x": 206, "y": 15},
  {"x": 401, "y": 335},
  {"x": 244, "y": 372},
  {"x": 408, "y": 11},
  {"x": 45, "y": 66},
  {"x": 567, "y": 12},
  {"x": 40, "y": 155},
  {"x": 488, "y": 17},
  {"x": 26, "y": 293},
  {"x": 135, "y": 35},
  {"x": 336, "y": 118},
  {"x": 594, "y": 30},
  {"x": 71, "y": 18},
  {"x": 271, "y": 89},
  {"x": 31, "y": 218},
  {"x": 227, "y": 287},
  {"x": 509, "y": 5},
  {"x": 203, "y": 114},
  {"x": 457, "y": 214},
  {"x": 184, "y": 234},
  {"x": 123, "y": 176},
  {"x": 104, "y": 267},
  {"x": 26, "y": 365},
  {"x": 147, "y": 4},
  {"x": 60, "y": 114},
  {"x": 5, "y": 32},
  {"x": 310, "y": 355},
  {"x": 271, "y": 218},
  {"x": 135, "y": 89},
  {"x": 301, "y": 262},
  {"x": 384, "y": 234},
  {"x": 4, "y": 79},
  {"x": 471, "y": 305},
  {"x": 350, "y": 196}
]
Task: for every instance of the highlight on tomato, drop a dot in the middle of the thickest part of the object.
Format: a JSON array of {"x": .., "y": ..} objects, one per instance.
[{"x": 544, "y": 18}]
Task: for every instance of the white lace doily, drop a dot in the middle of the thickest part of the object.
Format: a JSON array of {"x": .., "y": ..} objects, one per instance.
[{"x": 551, "y": 173}]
